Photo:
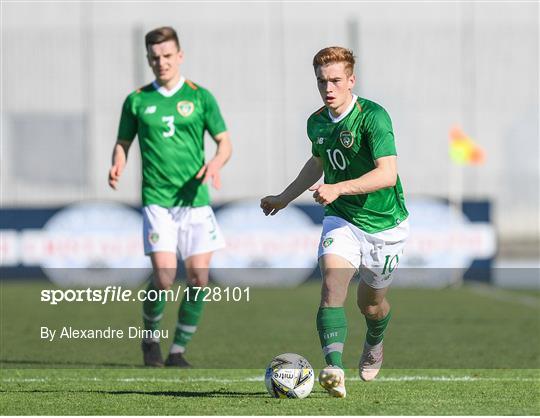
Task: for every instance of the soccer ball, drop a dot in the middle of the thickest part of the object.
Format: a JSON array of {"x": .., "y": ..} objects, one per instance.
[{"x": 289, "y": 375}]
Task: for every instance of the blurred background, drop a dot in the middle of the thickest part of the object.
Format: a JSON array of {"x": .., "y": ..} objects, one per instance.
[{"x": 67, "y": 67}]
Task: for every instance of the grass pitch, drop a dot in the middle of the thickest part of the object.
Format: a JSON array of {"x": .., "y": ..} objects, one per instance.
[
  {"x": 242, "y": 392},
  {"x": 467, "y": 351}
]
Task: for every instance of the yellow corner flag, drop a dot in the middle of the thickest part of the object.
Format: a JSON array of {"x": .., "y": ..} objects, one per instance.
[{"x": 463, "y": 150}]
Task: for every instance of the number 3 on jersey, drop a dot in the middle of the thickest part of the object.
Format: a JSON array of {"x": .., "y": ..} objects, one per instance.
[
  {"x": 337, "y": 159},
  {"x": 169, "y": 120}
]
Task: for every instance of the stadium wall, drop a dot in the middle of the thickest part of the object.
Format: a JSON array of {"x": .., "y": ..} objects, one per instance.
[{"x": 66, "y": 68}]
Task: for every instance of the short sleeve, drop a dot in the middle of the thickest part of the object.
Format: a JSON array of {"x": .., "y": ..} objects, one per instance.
[
  {"x": 128, "y": 121},
  {"x": 314, "y": 150},
  {"x": 380, "y": 134},
  {"x": 213, "y": 120}
]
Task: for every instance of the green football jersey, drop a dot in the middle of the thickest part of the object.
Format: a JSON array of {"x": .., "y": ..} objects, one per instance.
[
  {"x": 348, "y": 149},
  {"x": 170, "y": 127}
]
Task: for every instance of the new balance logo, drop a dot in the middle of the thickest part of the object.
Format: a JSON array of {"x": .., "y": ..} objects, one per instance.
[{"x": 150, "y": 109}]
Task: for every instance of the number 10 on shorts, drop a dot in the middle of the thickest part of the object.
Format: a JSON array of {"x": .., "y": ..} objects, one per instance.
[{"x": 390, "y": 263}]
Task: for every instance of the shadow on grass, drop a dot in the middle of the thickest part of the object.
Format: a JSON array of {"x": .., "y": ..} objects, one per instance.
[{"x": 173, "y": 393}]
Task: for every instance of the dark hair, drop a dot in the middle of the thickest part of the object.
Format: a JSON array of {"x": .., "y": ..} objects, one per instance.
[
  {"x": 333, "y": 55},
  {"x": 159, "y": 35}
]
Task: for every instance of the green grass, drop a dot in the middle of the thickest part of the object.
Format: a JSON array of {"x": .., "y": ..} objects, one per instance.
[
  {"x": 242, "y": 392},
  {"x": 450, "y": 352}
]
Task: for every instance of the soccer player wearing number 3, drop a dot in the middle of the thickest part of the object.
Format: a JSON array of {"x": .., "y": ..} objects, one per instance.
[
  {"x": 365, "y": 224},
  {"x": 170, "y": 117}
]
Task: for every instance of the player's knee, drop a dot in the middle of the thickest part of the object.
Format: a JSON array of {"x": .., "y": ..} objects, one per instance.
[
  {"x": 332, "y": 293},
  {"x": 370, "y": 311},
  {"x": 162, "y": 285},
  {"x": 328, "y": 289},
  {"x": 163, "y": 279},
  {"x": 332, "y": 277},
  {"x": 197, "y": 277}
]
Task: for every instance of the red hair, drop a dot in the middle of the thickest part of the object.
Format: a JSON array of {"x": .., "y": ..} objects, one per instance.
[{"x": 332, "y": 55}]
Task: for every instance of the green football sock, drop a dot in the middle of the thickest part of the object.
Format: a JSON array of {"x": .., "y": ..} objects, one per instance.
[
  {"x": 332, "y": 327},
  {"x": 376, "y": 328},
  {"x": 153, "y": 310},
  {"x": 189, "y": 315}
]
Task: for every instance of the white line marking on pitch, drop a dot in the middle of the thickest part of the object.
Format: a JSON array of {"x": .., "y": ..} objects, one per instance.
[
  {"x": 498, "y": 294},
  {"x": 261, "y": 378}
]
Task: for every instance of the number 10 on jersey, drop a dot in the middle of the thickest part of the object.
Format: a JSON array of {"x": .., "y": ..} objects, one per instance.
[{"x": 337, "y": 159}]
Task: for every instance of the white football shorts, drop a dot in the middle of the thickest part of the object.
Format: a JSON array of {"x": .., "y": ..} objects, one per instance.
[
  {"x": 375, "y": 256},
  {"x": 185, "y": 231}
]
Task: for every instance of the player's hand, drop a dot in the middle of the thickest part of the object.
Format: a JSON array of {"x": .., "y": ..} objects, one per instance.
[
  {"x": 210, "y": 171},
  {"x": 114, "y": 175},
  {"x": 272, "y": 205},
  {"x": 324, "y": 193}
]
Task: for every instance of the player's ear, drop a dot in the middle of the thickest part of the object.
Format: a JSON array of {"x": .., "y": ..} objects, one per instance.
[
  {"x": 148, "y": 58},
  {"x": 181, "y": 56},
  {"x": 352, "y": 81}
]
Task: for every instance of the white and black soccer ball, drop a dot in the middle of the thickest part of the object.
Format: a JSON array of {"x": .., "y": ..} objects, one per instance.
[{"x": 289, "y": 375}]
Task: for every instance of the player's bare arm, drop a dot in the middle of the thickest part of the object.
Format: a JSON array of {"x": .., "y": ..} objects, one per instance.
[
  {"x": 382, "y": 176},
  {"x": 210, "y": 171},
  {"x": 119, "y": 160},
  {"x": 310, "y": 173}
]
